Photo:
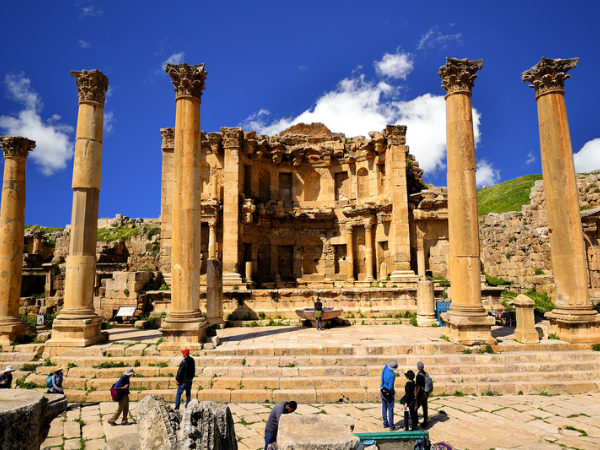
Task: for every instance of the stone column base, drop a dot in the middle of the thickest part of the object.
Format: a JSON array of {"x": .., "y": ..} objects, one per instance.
[
  {"x": 469, "y": 330},
  {"x": 404, "y": 276},
  {"x": 181, "y": 335},
  {"x": 426, "y": 321},
  {"x": 10, "y": 332},
  {"x": 231, "y": 279},
  {"x": 575, "y": 327},
  {"x": 76, "y": 332}
]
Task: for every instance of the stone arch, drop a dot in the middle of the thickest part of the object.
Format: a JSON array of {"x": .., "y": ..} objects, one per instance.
[
  {"x": 311, "y": 256},
  {"x": 264, "y": 185},
  {"x": 363, "y": 183},
  {"x": 312, "y": 186}
]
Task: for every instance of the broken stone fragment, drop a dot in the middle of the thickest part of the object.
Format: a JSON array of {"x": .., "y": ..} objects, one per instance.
[{"x": 316, "y": 432}]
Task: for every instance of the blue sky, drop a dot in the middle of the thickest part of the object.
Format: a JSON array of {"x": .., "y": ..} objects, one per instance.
[{"x": 354, "y": 65}]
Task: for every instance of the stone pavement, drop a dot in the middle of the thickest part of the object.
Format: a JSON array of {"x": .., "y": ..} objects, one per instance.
[{"x": 469, "y": 422}]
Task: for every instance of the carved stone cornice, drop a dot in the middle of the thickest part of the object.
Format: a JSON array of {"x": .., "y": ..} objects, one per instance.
[
  {"x": 232, "y": 137},
  {"x": 16, "y": 146},
  {"x": 214, "y": 140},
  {"x": 549, "y": 75},
  {"x": 395, "y": 134},
  {"x": 92, "y": 85},
  {"x": 458, "y": 75},
  {"x": 168, "y": 137},
  {"x": 188, "y": 81}
]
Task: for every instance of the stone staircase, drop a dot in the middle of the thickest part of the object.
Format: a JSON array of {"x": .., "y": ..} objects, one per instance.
[{"x": 329, "y": 374}]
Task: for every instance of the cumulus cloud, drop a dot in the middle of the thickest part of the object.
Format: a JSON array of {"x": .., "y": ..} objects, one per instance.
[
  {"x": 486, "y": 175},
  {"x": 83, "y": 44},
  {"x": 357, "y": 106},
  {"x": 530, "y": 157},
  {"x": 588, "y": 158},
  {"x": 397, "y": 65},
  {"x": 109, "y": 121},
  {"x": 90, "y": 11},
  {"x": 175, "y": 58},
  {"x": 303, "y": 68},
  {"x": 53, "y": 146},
  {"x": 434, "y": 38}
]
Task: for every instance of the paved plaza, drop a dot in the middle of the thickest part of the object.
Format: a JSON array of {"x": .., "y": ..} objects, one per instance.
[{"x": 474, "y": 423}]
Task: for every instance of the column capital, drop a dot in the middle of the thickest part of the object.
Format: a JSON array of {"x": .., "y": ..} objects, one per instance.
[
  {"x": 395, "y": 134},
  {"x": 188, "y": 80},
  {"x": 232, "y": 137},
  {"x": 348, "y": 226},
  {"x": 368, "y": 226},
  {"x": 92, "y": 85},
  {"x": 16, "y": 146},
  {"x": 168, "y": 137},
  {"x": 458, "y": 75},
  {"x": 549, "y": 75}
]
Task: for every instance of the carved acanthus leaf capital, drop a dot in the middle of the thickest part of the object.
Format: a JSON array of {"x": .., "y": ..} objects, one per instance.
[
  {"x": 549, "y": 74},
  {"x": 459, "y": 74},
  {"x": 16, "y": 146},
  {"x": 395, "y": 134},
  {"x": 92, "y": 85},
  {"x": 188, "y": 80},
  {"x": 168, "y": 137},
  {"x": 232, "y": 137}
]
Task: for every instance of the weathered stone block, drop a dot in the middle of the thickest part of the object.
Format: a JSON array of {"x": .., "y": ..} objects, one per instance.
[{"x": 316, "y": 431}]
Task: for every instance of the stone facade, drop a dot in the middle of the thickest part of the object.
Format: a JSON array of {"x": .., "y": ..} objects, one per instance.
[{"x": 303, "y": 197}]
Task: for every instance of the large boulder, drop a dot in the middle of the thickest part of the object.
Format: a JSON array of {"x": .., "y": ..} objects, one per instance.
[
  {"x": 201, "y": 426},
  {"x": 25, "y": 417},
  {"x": 316, "y": 432}
]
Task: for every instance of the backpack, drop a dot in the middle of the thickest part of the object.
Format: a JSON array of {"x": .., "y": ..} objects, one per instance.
[
  {"x": 49, "y": 381},
  {"x": 114, "y": 394},
  {"x": 428, "y": 384}
]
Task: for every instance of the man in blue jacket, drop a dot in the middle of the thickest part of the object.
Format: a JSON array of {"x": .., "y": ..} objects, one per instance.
[{"x": 388, "y": 377}]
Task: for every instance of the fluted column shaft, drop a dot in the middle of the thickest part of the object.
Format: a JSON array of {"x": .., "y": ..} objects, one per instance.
[
  {"x": 349, "y": 252},
  {"x": 369, "y": 250},
  {"x": 212, "y": 240},
  {"x": 12, "y": 218}
]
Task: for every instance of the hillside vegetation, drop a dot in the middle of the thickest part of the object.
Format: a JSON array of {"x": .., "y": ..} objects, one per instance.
[{"x": 507, "y": 196}]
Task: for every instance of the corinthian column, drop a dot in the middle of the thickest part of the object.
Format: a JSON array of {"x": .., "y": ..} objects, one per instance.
[
  {"x": 369, "y": 250},
  {"x": 467, "y": 320},
  {"x": 77, "y": 325},
  {"x": 349, "y": 252},
  {"x": 12, "y": 222},
  {"x": 573, "y": 320},
  {"x": 184, "y": 324}
]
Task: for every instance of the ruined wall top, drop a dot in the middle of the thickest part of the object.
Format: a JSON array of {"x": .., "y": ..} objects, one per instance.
[
  {"x": 549, "y": 74},
  {"x": 91, "y": 85},
  {"x": 458, "y": 75},
  {"x": 168, "y": 137},
  {"x": 16, "y": 146},
  {"x": 188, "y": 81}
]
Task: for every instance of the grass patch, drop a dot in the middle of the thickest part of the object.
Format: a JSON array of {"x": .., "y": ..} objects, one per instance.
[
  {"x": 507, "y": 196},
  {"x": 467, "y": 351},
  {"x": 30, "y": 367},
  {"x": 45, "y": 229},
  {"x": 21, "y": 383},
  {"x": 569, "y": 427},
  {"x": 116, "y": 234},
  {"x": 596, "y": 347},
  {"x": 444, "y": 337},
  {"x": 109, "y": 365},
  {"x": 496, "y": 281}
]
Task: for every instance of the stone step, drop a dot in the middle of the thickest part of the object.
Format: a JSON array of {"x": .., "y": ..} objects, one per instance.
[
  {"x": 10, "y": 357},
  {"x": 343, "y": 395}
]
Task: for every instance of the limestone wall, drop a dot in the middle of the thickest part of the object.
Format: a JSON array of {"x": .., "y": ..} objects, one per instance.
[{"x": 515, "y": 244}]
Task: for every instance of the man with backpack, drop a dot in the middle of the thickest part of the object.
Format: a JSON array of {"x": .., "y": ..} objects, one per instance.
[
  {"x": 424, "y": 387},
  {"x": 388, "y": 378},
  {"x": 121, "y": 390},
  {"x": 54, "y": 381}
]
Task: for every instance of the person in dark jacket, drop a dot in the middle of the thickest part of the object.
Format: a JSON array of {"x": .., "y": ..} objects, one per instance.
[
  {"x": 409, "y": 401},
  {"x": 319, "y": 314},
  {"x": 388, "y": 377},
  {"x": 6, "y": 377},
  {"x": 57, "y": 381},
  {"x": 122, "y": 387},
  {"x": 273, "y": 421},
  {"x": 185, "y": 377},
  {"x": 422, "y": 396}
]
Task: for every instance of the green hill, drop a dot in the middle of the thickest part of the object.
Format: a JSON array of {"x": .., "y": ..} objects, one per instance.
[{"x": 507, "y": 196}]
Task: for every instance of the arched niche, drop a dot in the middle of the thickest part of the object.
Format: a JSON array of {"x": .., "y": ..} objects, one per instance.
[{"x": 363, "y": 183}]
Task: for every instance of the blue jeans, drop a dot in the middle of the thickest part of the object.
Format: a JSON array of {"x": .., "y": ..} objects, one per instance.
[
  {"x": 387, "y": 410},
  {"x": 187, "y": 386},
  {"x": 269, "y": 438}
]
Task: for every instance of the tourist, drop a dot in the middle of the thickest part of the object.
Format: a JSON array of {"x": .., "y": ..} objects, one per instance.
[
  {"x": 56, "y": 382},
  {"x": 319, "y": 314},
  {"x": 122, "y": 387},
  {"x": 388, "y": 377},
  {"x": 6, "y": 377},
  {"x": 184, "y": 378},
  {"x": 422, "y": 392},
  {"x": 409, "y": 400},
  {"x": 273, "y": 422}
]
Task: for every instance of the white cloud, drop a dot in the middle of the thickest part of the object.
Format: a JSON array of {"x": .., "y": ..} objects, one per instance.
[
  {"x": 303, "y": 68},
  {"x": 175, "y": 58},
  {"x": 397, "y": 65},
  {"x": 90, "y": 11},
  {"x": 53, "y": 146},
  {"x": 358, "y": 106},
  {"x": 530, "y": 157},
  {"x": 486, "y": 175},
  {"x": 109, "y": 120},
  {"x": 588, "y": 158},
  {"x": 84, "y": 44},
  {"x": 434, "y": 38}
]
